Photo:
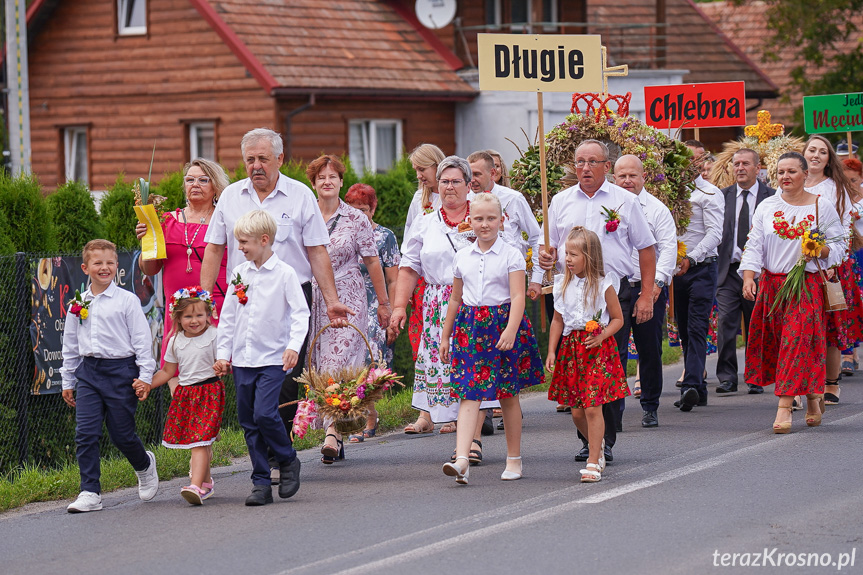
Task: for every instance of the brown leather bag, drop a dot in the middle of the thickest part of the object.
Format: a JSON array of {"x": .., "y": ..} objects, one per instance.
[{"x": 834, "y": 296}]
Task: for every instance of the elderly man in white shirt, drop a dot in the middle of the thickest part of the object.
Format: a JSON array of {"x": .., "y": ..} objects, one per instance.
[
  {"x": 629, "y": 175},
  {"x": 301, "y": 240},
  {"x": 695, "y": 284},
  {"x": 588, "y": 204}
]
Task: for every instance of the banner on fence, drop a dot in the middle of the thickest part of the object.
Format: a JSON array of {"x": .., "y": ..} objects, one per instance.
[
  {"x": 713, "y": 105},
  {"x": 54, "y": 281}
]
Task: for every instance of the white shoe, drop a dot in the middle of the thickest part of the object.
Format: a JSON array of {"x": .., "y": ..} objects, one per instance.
[
  {"x": 148, "y": 480},
  {"x": 508, "y": 475},
  {"x": 454, "y": 470},
  {"x": 87, "y": 501}
]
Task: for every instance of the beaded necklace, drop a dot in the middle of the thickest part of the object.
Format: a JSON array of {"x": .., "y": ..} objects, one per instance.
[
  {"x": 186, "y": 237},
  {"x": 447, "y": 221}
]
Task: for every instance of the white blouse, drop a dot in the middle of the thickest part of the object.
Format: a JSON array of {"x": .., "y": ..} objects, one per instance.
[
  {"x": 571, "y": 306},
  {"x": 195, "y": 355},
  {"x": 767, "y": 249},
  {"x": 486, "y": 275},
  {"x": 415, "y": 210},
  {"x": 431, "y": 248}
]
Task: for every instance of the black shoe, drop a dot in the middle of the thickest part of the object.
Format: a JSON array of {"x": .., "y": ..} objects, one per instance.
[
  {"x": 607, "y": 453},
  {"x": 261, "y": 495},
  {"x": 500, "y": 425},
  {"x": 689, "y": 399},
  {"x": 619, "y": 427},
  {"x": 488, "y": 424},
  {"x": 702, "y": 401},
  {"x": 649, "y": 419},
  {"x": 678, "y": 383},
  {"x": 289, "y": 478},
  {"x": 755, "y": 389},
  {"x": 583, "y": 454},
  {"x": 726, "y": 387}
]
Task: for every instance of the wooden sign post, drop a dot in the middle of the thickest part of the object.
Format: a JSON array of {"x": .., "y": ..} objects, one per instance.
[
  {"x": 543, "y": 63},
  {"x": 834, "y": 113}
]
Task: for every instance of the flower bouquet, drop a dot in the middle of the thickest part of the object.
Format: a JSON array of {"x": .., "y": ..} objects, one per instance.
[
  {"x": 794, "y": 285},
  {"x": 594, "y": 327},
  {"x": 343, "y": 396},
  {"x": 150, "y": 209}
]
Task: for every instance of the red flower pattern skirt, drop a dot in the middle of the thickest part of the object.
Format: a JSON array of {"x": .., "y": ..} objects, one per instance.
[
  {"x": 845, "y": 327},
  {"x": 587, "y": 377},
  {"x": 480, "y": 371},
  {"x": 195, "y": 415},
  {"x": 788, "y": 346},
  {"x": 415, "y": 321}
]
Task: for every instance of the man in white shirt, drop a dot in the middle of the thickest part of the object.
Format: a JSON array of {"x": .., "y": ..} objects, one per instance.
[
  {"x": 741, "y": 199},
  {"x": 301, "y": 240},
  {"x": 588, "y": 204},
  {"x": 695, "y": 285},
  {"x": 629, "y": 174}
]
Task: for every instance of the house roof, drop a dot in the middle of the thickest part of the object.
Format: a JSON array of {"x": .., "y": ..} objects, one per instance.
[
  {"x": 746, "y": 25},
  {"x": 693, "y": 42},
  {"x": 372, "y": 48},
  {"x": 355, "y": 47}
]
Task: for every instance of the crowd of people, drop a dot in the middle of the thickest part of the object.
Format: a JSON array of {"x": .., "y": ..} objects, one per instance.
[{"x": 260, "y": 270}]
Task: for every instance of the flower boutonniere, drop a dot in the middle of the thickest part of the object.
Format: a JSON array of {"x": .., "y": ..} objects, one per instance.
[
  {"x": 79, "y": 307},
  {"x": 240, "y": 289},
  {"x": 612, "y": 218},
  {"x": 594, "y": 327}
]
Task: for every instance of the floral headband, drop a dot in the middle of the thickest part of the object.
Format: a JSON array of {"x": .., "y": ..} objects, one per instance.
[{"x": 193, "y": 292}]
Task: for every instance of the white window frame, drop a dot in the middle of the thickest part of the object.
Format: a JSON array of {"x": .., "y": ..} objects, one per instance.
[
  {"x": 194, "y": 127},
  {"x": 123, "y": 6},
  {"x": 499, "y": 19},
  {"x": 367, "y": 128},
  {"x": 71, "y": 152}
]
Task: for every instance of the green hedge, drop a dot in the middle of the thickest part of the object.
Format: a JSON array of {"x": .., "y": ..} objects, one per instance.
[{"x": 74, "y": 217}]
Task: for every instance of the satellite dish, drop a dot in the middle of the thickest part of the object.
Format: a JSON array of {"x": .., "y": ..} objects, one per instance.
[{"x": 435, "y": 14}]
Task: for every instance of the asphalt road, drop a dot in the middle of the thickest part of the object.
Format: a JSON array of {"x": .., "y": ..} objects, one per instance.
[{"x": 676, "y": 498}]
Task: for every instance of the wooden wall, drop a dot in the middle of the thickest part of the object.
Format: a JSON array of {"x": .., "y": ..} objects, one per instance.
[{"x": 132, "y": 91}]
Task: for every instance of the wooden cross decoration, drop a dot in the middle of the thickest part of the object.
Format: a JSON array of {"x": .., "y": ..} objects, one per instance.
[
  {"x": 764, "y": 130},
  {"x": 622, "y": 70}
]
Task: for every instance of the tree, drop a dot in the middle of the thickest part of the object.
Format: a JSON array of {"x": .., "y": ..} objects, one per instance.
[
  {"x": 73, "y": 212},
  {"x": 118, "y": 215}
]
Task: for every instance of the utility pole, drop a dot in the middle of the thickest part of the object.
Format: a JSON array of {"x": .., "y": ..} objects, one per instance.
[{"x": 18, "y": 86}]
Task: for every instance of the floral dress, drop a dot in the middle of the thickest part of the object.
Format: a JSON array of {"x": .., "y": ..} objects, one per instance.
[
  {"x": 351, "y": 238},
  {"x": 388, "y": 253}
]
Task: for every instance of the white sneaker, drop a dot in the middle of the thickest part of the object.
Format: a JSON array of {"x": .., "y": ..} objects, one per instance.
[
  {"x": 148, "y": 480},
  {"x": 87, "y": 501}
]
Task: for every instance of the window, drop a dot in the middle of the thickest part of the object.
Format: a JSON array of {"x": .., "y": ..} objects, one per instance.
[
  {"x": 75, "y": 154},
  {"x": 202, "y": 140},
  {"x": 374, "y": 145},
  {"x": 131, "y": 17},
  {"x": 517, "y": 13}
]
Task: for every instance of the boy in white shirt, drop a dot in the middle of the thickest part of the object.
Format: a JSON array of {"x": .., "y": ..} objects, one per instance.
[
  {"x": 106, "y": 346},
  {"x": 261, "y": 330}
]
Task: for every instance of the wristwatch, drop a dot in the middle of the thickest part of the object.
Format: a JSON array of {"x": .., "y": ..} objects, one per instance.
[
  {"x": 692, "y": 262},
  {"x": 660, "y": 283}
]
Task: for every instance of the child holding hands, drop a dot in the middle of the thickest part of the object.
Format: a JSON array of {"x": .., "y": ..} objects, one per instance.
[
  {"x": 106, "y": 347},
  {"x": 262, "y": 328},
  {"x": 494, "y": 352},
  {"x": 196, "y": 408},
  {"x": 587, "y": 372}
]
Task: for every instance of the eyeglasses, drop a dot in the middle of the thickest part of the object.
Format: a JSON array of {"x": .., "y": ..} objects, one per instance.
[
  {"x": 203, "y": 180},
  {"x": 448, "y": 183},
  {"x": 591, "y": 163}
]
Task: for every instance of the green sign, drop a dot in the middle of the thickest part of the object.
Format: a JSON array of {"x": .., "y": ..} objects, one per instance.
[{"x": 833, "y": 113}]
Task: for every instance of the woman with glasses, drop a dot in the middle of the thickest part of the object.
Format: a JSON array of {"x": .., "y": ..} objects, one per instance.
[{"x": 184, "y": 231}]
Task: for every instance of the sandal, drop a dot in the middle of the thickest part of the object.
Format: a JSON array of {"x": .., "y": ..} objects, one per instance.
[
  {"x": 360, "y": 437},
  {"x": 592, "y": 474},
  {"x": 797, "y": 403},
  {"x": 563, "y": 408},
  {"x": 194, "y": 494},
  {"x": 475, "y": 456},
  {"x": 783, "y": 426},
  {"x": 448, "y": 427},
  {"x": 816, "y": 399},
  {"x": 453, "y": 470},
  {"x": 636, "y": 390},
  {"x": 420, "y": 426},
  {"x": 330, "y": 454},
  {"x": 831, "y": 398}
]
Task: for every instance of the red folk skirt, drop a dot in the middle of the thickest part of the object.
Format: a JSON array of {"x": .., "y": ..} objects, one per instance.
[
  {"x": 587, "y": 377},
  {"x": 195, "y": 415},
  {"x": 787, "y": 347},
  {"x": 415, "y": 321},
  {"x": 845, "y": 327}
]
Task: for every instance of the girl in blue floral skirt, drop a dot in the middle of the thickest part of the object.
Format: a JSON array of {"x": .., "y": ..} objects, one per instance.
[{"x": 494, "y": 352}]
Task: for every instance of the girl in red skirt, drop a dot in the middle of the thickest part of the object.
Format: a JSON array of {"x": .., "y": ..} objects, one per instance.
[
  {"x": 586, "y": 365},
  {"x": 195, "y": 414},
  {"x": 787, "y": 340}
]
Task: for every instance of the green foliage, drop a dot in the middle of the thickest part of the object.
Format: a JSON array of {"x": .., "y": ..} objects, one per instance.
[
  {"x": 395, "y": 190},
  {"x": 74, "y": 216},
  {"x": 7, "y": 247},
  {"x": 30, "y": 228},
  {"x": 118, "y": 215},
  {"x": 172, "y": 187}
]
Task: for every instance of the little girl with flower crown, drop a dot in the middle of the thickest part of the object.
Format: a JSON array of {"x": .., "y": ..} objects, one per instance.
[
  {"x": 586, "y": 365},
  {"x": 195, "y": 414}
]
